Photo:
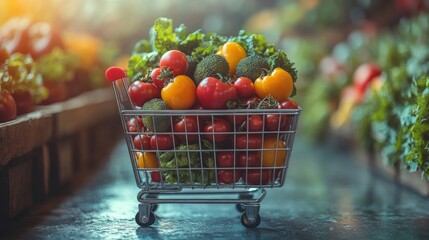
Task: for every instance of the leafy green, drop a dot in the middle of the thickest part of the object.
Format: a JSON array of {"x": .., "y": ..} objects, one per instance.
[
  {"x": 58, "y": 66},
  {"x": 20, "y": 73},
  {"x": 198, "y": 45}
]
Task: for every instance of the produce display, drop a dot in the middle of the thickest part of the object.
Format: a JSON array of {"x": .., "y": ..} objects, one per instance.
[
  {"x": 378, "y": 90},
  {"x": 181, "y": 80},
  {"x": 40, "y": 65}
]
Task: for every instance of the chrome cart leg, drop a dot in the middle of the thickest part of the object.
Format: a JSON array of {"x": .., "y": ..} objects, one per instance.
[
  {"x": 145, "y": 216},
  {"x": 250, "y": 217}
]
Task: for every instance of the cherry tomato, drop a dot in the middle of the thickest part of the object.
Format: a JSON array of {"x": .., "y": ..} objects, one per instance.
[
  {"x": 184, "y": 128},
  {"x": 154, "y": 75},
  {"x": 155, "y": 176},
  {"x": 7, "y": 107},
  {"x": 225, "y": 159},
  {"x": 244, "y": 87},
  {"x": 255, "y": 123},
  {"x": 288, "y": 104},
  {"x": 228, "y": 176},
  {"x": 135, "y": 124},
  {"x": 162, "y": 142},
  {"x": 176, "y": 61},
  {"x": 252, "y": 102},
  {"x": 248, "y": 141},
  {"x": 43, "y": 39},
  {"x": 147, "y": 160},
  {"x": 201, "y": 118},
  {"x": 287, "y": 120},
  {"x": 249, "y": 159},
  {"x": 217, "y": 131},
  {"x": 212, "y": 93},
  {"x": 272, "y": 122},
  {"x": 24, "y": 102},
  {"x": 142, "y": 142},
  {"x": 256, "y": 177},
  {"x": 141, "y": 92}
]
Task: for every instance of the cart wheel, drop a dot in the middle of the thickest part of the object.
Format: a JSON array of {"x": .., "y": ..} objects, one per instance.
[
  {"x": 153, "y": 207},
  {"x": 240, "y": 207},
  {"x": 245, "y": 221},
  {"x": 142, "y": 224}
]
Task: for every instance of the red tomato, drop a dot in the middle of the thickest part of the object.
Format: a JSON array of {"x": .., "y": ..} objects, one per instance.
[
  {"x": 142, "y": 142},
  {"x": 249, "y": 159},
  {"x": 225, "y": 159},
  {"x": 252, "y": 102},
  {"x": 155, "y": 176},
  {"x": 236, "y": 119},
  {"x": 255, "y": 123},
  {"x": 272, "y": 123},
  {"x": 135, "y": 124},
  {"x": 217, "y": 131},
  {"x": 176, "y": 61},
  {"x": 256, "y": 177},
  {"x": 162, "y": 142},
  {"x": 43, "y": 39},
  {"x": 248, "y": 141},
  {"x": 212, "y": 93},
  {"x": 287, "y": 120},
  {"x": 14, "y": 35},
  {"x": 141, "y": 92},
  {"x": 184, "y": 128},
  {"x": 201, "y": 118},
  {"x": 228, "y": 176},
  {"x": 288, "y": 104},
  {"x": 244, "y": 87},
  {"x": 363, "y": 75},
  {"x": 24, "y": 102},
  {"x": 154, "y": 75},
  {"x": 7, "y": 107}
]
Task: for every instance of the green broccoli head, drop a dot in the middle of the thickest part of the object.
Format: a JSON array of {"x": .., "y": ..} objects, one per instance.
[
  {"x": 252, "y": 67},
  {"x": 211, "y": 66},
  {"x": 156, "y": 123}
]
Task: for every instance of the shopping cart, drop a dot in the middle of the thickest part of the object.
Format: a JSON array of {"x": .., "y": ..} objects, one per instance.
[{"x": 197, "y": 170}]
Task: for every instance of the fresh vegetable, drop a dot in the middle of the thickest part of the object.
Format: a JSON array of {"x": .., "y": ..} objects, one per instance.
[
  {"x": 275, "y": 155},
  {"x": 248, "y": 141},
  {"x": 140, "y": 92},
  {"x": 233, "y": 53},
  {"x": 175, "y": 61},
  {"x": 252, "y": 67},
  {"x": 211, "y": 66},
  {"x": 142, "y": 142},
  {"x": 147, "y": 160},
  {"x": 249, "y": 159},
  {"x": 228, "y": 176},
  {"x": 212, "y": 93},
  {"x": 186, "y": 129},
  {"x": 244, "y": 87},
  {"x": 278, "y": 84},
  {"x": 185, "y": 157},
  {"x": 217, "y": 131},
  {"x": 179, "y": 93},
  {"x": 255, "y": 123},
  {"x": 256, "y": 177},
  {"x": 225, "y": 159},
  {"x": 135, "y": 124},
  {"x": 158, "y": 80},
  {"x": 7, "y": 106},
  {"x": 158, "y": 123},
  {"x": 162, "y": 142}
]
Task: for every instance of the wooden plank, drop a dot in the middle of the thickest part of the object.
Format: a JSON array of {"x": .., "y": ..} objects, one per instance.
[
  {"x": 23, "y": 134},
  {"x": 41, "y": 173},
  {"x": 61, "y": 168},
  {"x": 20, "y": 185}
]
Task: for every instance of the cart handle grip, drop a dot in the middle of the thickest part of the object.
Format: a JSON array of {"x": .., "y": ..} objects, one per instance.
[{"x": 115, "y": 73}]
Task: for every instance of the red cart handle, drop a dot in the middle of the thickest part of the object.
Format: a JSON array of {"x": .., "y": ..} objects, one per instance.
[{"x": 115, "y": 73}]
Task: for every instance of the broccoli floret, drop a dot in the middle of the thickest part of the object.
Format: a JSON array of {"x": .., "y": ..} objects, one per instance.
[
  {"x": 211, "y": 66},
  {"x": 156, "y": 123},
  {"x": 252, "y": 67}
]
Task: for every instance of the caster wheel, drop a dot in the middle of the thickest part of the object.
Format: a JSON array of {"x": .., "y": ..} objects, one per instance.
[
  {"x": 240, "y": 207},
  {"x": 153, "y": 207},
  {"x": 245, "y": 221},
  {"x": 142, "y": 224}
]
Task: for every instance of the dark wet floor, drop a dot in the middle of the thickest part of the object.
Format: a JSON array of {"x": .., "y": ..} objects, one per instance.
[{"x": 328, "y": 194}]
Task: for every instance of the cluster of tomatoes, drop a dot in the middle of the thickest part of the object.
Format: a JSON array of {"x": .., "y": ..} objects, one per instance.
[{"x": 242, "y": 143}]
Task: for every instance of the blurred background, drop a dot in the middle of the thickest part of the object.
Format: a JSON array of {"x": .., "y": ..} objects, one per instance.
[{"x": 380, "y": 108}]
